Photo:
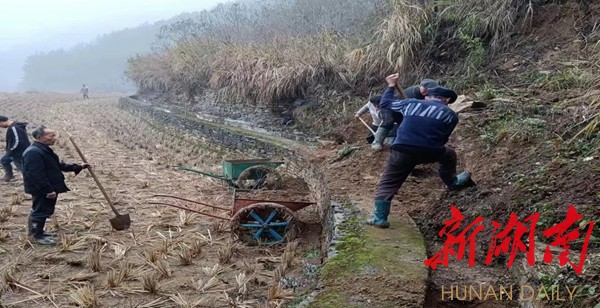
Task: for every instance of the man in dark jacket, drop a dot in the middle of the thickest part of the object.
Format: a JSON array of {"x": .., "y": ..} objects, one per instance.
[
  {"x": 44, "y": 180},
  {"x": 389, "y": 118},
  {"x": 16, "y": 143},
  {"x": 421, "y": 139}
]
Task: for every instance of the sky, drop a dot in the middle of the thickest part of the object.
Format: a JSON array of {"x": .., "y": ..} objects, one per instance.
[
  {"x": 30, "y": 26},
  {"x": 29, "y": 22}
]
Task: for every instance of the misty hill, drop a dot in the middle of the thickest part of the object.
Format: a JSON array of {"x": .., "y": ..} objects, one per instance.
[{"x": 100, "y": 63}]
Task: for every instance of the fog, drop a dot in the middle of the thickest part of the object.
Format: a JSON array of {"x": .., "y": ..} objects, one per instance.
[{"x": 30, "y": 26}]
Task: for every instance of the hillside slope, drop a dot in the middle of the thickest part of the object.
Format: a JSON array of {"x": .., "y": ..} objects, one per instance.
[{"x": 534, "y": 148}]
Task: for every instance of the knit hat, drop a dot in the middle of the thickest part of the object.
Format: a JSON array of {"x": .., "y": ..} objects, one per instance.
[
  {"x": 443, "y": 92},
  {"x": 3, "y": 118},
  {"x": 429, "y": 83},
  {"x": 453, "y": 98}
]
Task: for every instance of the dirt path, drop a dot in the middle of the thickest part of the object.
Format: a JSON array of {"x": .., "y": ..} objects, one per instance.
[
  {"x": 150, "y": 263},
  {"x": 357, "y": 177}
]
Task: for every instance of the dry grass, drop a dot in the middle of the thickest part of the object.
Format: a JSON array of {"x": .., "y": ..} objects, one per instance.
[
  {"x": 279, "y": 273},
  {"x": 70, "y": 243},
  {"x": 493, "y": 19},
  {"x": 186, "y": 257},
  {"x": 119, "y": 251},
  {"x": 124, "y": 268},
  {"x": 17, "y": 199},
  {"x": 250, "y": 268},
  {"x": 84, "y": 297},
  {"x": 289, "y": 254},
  {"x": 82, "y": 276},
  {"x": 6, "y": 213},
  {"x": 9, "y": 278},
  {"x": 280, "y": 70},
  {"x": 183, "y": 302},
  {"x": 208, "y": 285},
  {"x": 591, "y": 123},
  {"x": 219, "y": 227},
  {"x": 150, "y": 282},
  {"x": 93, "y": 257},
  {"x": 4, "y": 235},
  {"x": 212, "y": 271},
  {"x": 55, "y": 223},
  {"x": 165, "y": 246},
  {"x": 240, "y": 303},
  {"x": 276, "y": 295},
  {"x": 208, "y": 239},
  {"x": 393, "y": 45},
  {"x": 162, "y": 267},
  {"x": 225, "y": 253},
  {"x": 242, "y": 284},
  {"x": 275, "y": 72},
  {"x": 115, "y": 277},
  {"x": 186, "y": 218},
  {"x": 151, "y": 256},
  {"x": 196, "y": 247}
]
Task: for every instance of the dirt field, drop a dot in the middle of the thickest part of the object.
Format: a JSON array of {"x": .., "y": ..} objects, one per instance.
[{"x": 169, "y": 257}]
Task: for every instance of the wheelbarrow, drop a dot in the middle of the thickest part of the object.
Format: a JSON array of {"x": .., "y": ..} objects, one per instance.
[
  {"x": 247, "y": 174},
  {"x": 253, "y": 221}
]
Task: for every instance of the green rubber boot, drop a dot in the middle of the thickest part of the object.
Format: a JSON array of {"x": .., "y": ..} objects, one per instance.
[
  {"x": 461, "y": 181},
  {"x": 379, "y": 218},
  {"x": 380, "y": 135}
]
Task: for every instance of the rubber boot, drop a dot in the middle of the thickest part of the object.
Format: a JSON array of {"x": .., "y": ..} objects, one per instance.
[
  {"x": 461, "y": 181},
  {"x": 50, "y": 234},
  {"x": 379, "y": 218},
  {"x": 380, "y": 135},
  {"x": 36, "y": 232}
]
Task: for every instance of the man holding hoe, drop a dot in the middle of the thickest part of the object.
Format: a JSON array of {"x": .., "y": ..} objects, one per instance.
[
  {"x": 421, "y": 139},
  {"x": 44, "y": 180},
  {"x": 388, "y": 117}
]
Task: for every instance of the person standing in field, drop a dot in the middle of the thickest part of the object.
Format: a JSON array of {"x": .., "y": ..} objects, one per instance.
[
  {"x": 85, "y": 91},
  {"x": 16, "y": 143},
  {"x": 43, "y": 178}
]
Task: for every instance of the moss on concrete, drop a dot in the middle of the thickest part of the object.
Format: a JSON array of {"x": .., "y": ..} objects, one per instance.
[{"x": 366, "y": 254}]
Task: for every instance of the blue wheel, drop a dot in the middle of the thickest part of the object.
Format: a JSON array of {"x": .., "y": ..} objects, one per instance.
[{"x": 264, "y": 224}]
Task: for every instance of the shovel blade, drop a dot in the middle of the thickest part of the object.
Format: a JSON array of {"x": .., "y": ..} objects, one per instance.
[{"x": 120, "y": 222}]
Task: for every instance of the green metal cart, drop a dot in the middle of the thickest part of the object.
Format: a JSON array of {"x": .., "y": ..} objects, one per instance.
[{"x": 249, "y": 174}]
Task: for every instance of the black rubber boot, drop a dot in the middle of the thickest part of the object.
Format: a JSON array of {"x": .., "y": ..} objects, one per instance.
[{"x": 36, "y": 232}]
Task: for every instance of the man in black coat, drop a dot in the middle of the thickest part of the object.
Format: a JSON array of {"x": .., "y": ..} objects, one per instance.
[
  {"x": 16, "y": 143},
  {"x": 44, "y": 180},
  {"x": 388, "y": 117}
]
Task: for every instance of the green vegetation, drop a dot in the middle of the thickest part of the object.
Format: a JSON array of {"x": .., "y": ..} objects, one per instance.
[
  {"x": 367, "y": 253},
  {"x": 515, "y": 124}
]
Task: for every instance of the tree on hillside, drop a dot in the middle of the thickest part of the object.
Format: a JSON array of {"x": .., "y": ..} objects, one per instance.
[{"x": 100, "y": 64}]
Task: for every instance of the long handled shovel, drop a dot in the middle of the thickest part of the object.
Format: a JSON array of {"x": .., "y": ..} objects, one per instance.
[
  {"x": 367, "y": 125},
  {"x": 119, "y": 222}
]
